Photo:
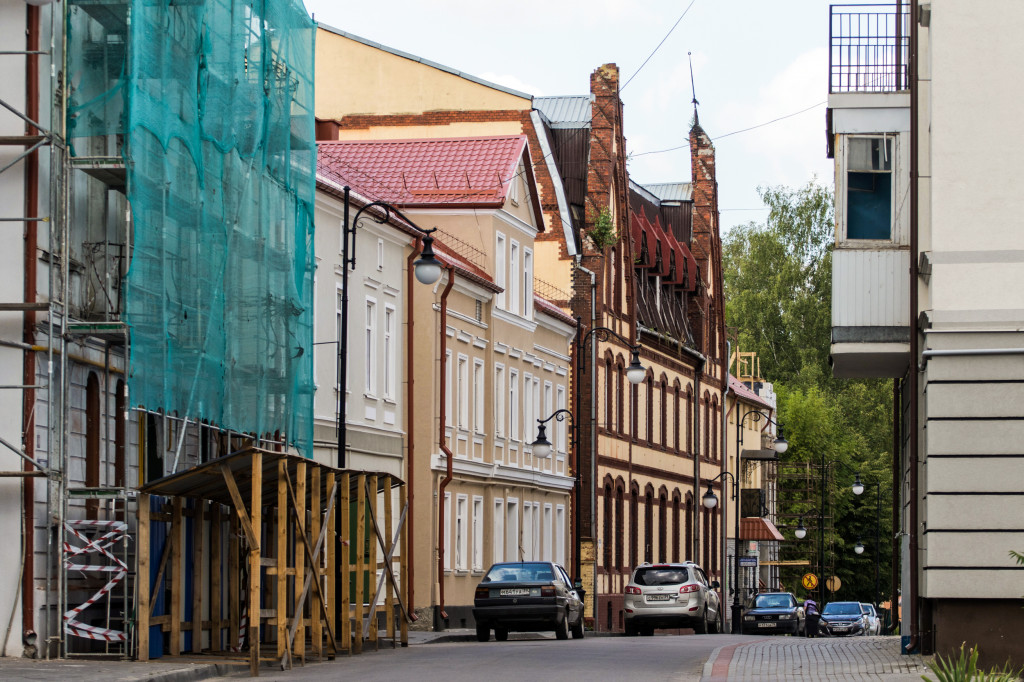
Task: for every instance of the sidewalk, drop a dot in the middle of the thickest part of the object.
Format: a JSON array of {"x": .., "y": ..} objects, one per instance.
[{"x": 796, "y": 658}]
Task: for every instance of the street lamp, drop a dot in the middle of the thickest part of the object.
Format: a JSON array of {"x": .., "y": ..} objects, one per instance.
[
  {"x": 801, "y": 530},
  {"x": 542, "y": 446},
  {"x": 858, "y": 488},
  {"x": 427, "y": 270},
  {"x": 635, "y": 373},
  {"x": 710, "y": 501},
  {"x": 859, "y": 547}
]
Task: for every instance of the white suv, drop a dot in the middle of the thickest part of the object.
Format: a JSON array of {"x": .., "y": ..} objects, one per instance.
[{"x": 670, "y": 596}]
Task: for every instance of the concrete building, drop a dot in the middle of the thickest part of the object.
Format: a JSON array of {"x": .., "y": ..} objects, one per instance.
[{"x": 927, "y": 290}]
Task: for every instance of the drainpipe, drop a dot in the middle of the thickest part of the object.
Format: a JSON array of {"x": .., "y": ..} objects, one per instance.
[
  {"x": 724, "y": 449},
  {"x": 410, "y": 421},
  {"x": 915, "y": 128},
  {"x": 28, "y": 329},
  {"x": 442, "y": 442},
  {"x": 593, "y": 441}
]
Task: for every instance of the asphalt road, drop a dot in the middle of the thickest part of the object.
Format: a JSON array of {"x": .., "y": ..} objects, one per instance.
[{"x": 668, "y": 657}]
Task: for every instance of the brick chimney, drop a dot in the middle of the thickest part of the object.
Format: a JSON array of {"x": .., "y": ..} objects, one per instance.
[{"x": 705, "y": 198}]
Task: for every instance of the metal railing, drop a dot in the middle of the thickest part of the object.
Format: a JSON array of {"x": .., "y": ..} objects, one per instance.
[{"x": 869, "y": 47}]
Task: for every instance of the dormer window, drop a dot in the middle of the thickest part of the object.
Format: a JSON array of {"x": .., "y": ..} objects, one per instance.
[{"x": 869, "y": 188}]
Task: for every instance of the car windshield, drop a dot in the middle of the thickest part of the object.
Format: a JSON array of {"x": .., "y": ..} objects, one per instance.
[
  {"x": 650, "y": 576},
  {"x": 842, "y": 609},
  {"x": 525, "y": 572},
  {"x": 774, "y": 601}
]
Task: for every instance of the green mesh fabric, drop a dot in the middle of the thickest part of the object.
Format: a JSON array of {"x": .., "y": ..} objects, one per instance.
[{"x": 211, "y": 105}]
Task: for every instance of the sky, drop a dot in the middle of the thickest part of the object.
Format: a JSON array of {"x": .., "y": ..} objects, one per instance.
[{"x": 754, "y": 61}]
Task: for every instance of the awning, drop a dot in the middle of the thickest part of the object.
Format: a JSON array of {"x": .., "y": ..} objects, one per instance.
[{"x": 757, "y": 528}]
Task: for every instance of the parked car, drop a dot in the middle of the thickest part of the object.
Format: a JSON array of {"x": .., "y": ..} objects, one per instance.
[
  {"x": 842, "y": 618},
  {"x": 670, "y": 596},
  {"x": 527, "y": 596},
  {"x": 874, "y": 622},
  {"x": 772, "y": 612}
]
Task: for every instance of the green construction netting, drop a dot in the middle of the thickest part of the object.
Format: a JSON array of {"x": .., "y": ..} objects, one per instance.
[{"x": 210, "y": 105}]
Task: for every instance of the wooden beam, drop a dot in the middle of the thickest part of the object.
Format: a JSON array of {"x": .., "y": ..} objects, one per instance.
[
  {"x": 298, "y": 639},
  {"x": 142, "y": 580},
  {"x": 216, "y": 599},
  {"x": 198, "y": 559},
  {"x": 346, "y": 549},
  {"x": 403, "y": 566},
  {"x": 389, "y": 601},
  {"x": 315, "y": 626},
  {"x": 177, "y": 584},
  {"x": 256, "y": 471},
  {"x": 357, "y": 644},
  {"x": 371, "y": 564},
  {"x": 332, "y": 566},
  {"x": 164, "y": 558},
  {"x": 234, "y": 584},
  {"x": 236, "y": 497},
  {"x": 281, "y": 579}
]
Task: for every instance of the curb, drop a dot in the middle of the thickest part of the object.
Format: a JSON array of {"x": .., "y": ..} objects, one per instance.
[{"x": 199, "y": 672}]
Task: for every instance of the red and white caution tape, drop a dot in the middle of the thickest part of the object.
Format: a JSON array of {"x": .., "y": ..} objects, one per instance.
[{"x": 99, "y": 546}]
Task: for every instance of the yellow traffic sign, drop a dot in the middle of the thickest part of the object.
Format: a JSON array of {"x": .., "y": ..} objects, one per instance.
[
  {"x": 833, "y": 584},
  {"x": 809, "y": 581}
]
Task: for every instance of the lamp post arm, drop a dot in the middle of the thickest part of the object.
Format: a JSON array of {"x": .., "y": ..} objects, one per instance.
[
  {"x": 389, "y": 210},
  {"x": 602, "y": 334}
]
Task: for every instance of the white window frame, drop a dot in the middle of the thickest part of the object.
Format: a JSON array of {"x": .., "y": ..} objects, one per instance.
[
  {"x": 561, "y": 451},
  {"x": 462, "y": 378},
  {"x": 500, "y": 266},
  {"x": 449, "y": 389},
  {"x": 498, "y": 539},
  {"x": 529, "y": 408},
  {"x": 513, "y": 278},
  {"x": 528, "y": 538},
  {"x": 513, "y": 404},
  {"x": 527, "y": 284},
  {"x": 499, "y": 400},
  {"x": 390, "y": 346},
  {"x": 477, "y": 562},
  {"x": 369, "y": 353},
  {"x": 560, "y": 534},
  {"x": 549, "y": 533},
  {"x": 447, "y": 531},
  {"x": 380, "y": 255},
  {"x": 461, "y": 532},
  {"x": 512, "y": 530},
  {"x": 478, "y": 396},
  {"x": 536, "y": 531},
  {"x": 844, "y": 219}
]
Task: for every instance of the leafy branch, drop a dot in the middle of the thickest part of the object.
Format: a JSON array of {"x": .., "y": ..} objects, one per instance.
[{"x": 603, "y": 231}]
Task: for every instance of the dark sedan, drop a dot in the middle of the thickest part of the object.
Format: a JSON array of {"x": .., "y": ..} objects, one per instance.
[
  {"x": 773, "y": 612},
  {"x": 527, "y": 596},
  {"x": 843, "y": 618}
]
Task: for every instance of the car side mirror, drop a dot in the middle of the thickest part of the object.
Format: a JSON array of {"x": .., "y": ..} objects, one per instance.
[
  {"x": 715, "y": 584},
  {"x": 577, "y": 584}
]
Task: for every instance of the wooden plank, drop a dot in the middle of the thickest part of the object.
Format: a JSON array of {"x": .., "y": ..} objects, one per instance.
[
  {"x": 234, "y": 583},
  {"x": 371, "y": 564},
  {"x": 281, "y": 579},
  {"x": 315, "y": 626},
  {"x": 256, "y": 469},
  {"x": 403, "y": 566},
  {"x": 389, "y": 600},
  {"x": 236, "y": 497},
  {"x": 142, "y": 585},
  {"x": 332, "y": 566},
  {"x": 300, "y": 508},
  {"x": 164, "y": 621},
  {"x": 177, "y": 584},
  {"x": 216, "y": 566},
  {"x": 344, "y": 608},
  {"x": 198, "y": 559},
  {"x": 357, "y": 644},
  {"x": 164, "y": 558}
]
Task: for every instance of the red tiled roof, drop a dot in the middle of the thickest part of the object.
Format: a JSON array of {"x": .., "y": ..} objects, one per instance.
[
  {"x": 757, "y": 528},
  {"x": 553, "y": 310},
  {"x": 464, "y": 171},
  {"x": 744, "y": 393}
]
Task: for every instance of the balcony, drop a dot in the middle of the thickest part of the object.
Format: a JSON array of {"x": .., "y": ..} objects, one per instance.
[{"x": 869, "y": 47}]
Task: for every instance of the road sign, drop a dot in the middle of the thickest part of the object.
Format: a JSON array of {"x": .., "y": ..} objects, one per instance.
[
  {"x": 833, "y": 584},
  {"x": 748, "y": 561},
  {"x": 809, "y": 581}
]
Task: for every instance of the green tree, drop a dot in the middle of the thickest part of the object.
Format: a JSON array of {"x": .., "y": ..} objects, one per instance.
[{"x": 778, "y": 290}]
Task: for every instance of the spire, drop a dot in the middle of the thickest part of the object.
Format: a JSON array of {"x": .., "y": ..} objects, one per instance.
[{"x": 693, "y": 90}]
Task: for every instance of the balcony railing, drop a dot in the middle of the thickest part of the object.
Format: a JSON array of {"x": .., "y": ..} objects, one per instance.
[{"x": 869, "y": 46}]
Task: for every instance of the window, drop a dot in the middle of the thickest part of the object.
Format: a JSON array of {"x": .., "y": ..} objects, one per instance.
[
  {"x": 380, "y": 254},
  {"x": 478, "y": 395},
  {"x": 868, "y": 188},
  {"x": 462, "y": 377},
  {"x": 370, "y": 351},
  {"x": 560, "y": 430},
  {"x": 512, "y": 530},
  {"x": 499, "y": 268},
  {"x": 606, "y": 538},
  {"x": 498, "y": 539},
  {"x": 513, "y": 189},
  {"x": 663, "y": 528},
  {"x": 389, "y": 352},
  {"x": 649, "y": 525},
  {"x": 448, "y": 390},
  {"x": 536, "y": 408},
  {"x": 92, "y": 441},
  {"x": 499, "y": 401},
  {"x": 513, "y": 279},
  {"x": 528, "y": 538},
  {"x": 513, "y": 404},
  {"x": 478, "y": 533},
  {"x": 549, "y": 534},
  {"x": 528, "y": 284},
  {"x": 529, "y": 425},
  {"x": 620, "y": 527},
  {"x": 536, "y": 531},
  {"x": 560, "y": 535},
  {"x": 447, "y": 531},
  {"x": 547, "y": 409},
  {"x": 461, "y": 535}
]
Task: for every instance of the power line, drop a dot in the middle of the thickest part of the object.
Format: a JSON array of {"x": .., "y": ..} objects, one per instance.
[{"x": 658, "y": 47}]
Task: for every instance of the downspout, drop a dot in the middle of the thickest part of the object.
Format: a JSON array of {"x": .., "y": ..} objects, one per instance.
[
  {"x": 28, "y": 329},
  {"x": 593, "y": 439},
  {"x": 442, "y": 442},
  {"x": 410, "y": 421},
  {"x": 915, "y": 128},
  {"x": 725, "y": 507},
  {"x": 897, "y": 442}
]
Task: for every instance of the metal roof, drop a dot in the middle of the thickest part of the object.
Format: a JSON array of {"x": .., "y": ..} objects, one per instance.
[
  {"x": 421, "y": 60},
  {"x": 565, "y": 112},
  {"x": 671, "y": 191}
]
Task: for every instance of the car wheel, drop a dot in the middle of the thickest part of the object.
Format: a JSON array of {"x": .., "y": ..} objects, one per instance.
[
  {"x": 630, "y": 630},
  {"x": 647, "y": 632},
  {"x": 483, "y": 633},
  {"x": 714, "y": 626},
  {"x": 562, "y": 628},
  {"x": 577, "y": 630},
  {"x": 501, "y": 634},
  {"x": 701, "y": 626}
]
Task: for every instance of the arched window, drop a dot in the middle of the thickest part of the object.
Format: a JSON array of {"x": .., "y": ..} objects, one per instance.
[
  {"x": 663, "y": 405},
  {"x": 689, "y": 421},
  {"x": 688, "y": 550},
  {"x": 706, "y": 537},
  {"x": 649, "y": 524},
  {"x": 676, "y": 442},
  {"x": 619, "y": 527},
  {"x": 649, "y": 384},
  {"x": 609, "y": 394},
  {"x": 714, "y": 428},
  {"x": 606, "y": 535},
  {"x": 676, "y": 527},
  {"x": 634, "y": 513},
  {"x": 714, "y": 538},
  {"x": 620, "y": 399},
  {"x": 663, "y": 526},
  {"x": 92, "y": 441},
  {"x": 706, "y": 452}
]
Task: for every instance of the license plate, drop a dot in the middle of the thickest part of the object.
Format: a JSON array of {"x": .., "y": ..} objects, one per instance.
[
  {"x": 842, "y": 629},
  {"x": 514, "y": 592},
  {"x": 766, "y": 625},
  {"x": 658, "y": 597}
]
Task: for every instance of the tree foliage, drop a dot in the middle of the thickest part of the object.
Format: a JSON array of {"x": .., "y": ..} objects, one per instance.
[{"x": 778, "y": 290}]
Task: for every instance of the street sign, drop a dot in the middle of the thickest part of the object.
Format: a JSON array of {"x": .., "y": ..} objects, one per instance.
[
  {"x": 833, "y": 584},
  {"x": 748, "y": 561},
  {"x": 809, "y": 581}
]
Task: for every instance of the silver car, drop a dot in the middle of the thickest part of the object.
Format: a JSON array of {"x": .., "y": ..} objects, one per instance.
[
  {"x": 671, "y": 596},
  {"x": 874, "y": 622}
]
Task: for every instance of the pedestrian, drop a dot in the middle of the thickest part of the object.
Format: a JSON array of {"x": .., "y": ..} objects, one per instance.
[{"x": 811, "y": 618}]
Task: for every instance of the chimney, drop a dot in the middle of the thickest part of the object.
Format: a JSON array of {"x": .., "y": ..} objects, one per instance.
[{"x": 705, "y": 198}]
